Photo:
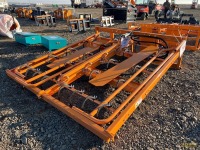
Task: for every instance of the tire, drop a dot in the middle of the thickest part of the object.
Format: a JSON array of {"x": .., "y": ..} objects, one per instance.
[{"x": 143, "y": 16}]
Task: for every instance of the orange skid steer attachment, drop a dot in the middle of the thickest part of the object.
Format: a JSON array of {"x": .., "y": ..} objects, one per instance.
[
  {"x": 127, "y": 64},
  {"x": 191, "y": 32}
]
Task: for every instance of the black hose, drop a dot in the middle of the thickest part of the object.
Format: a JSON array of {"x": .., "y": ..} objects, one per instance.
[
  {"x": 151, "y": 42},
  {"x": 166, "y": 45}
]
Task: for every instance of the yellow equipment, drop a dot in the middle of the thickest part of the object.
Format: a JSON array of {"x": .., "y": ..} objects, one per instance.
[
  {"x": 130, "y": 62},
  {"x": 24, "y": 13},
  {"x": 64, "y": 14},
  {"x": 190, "y": 32},
  {"x": 20, "y": 12}
]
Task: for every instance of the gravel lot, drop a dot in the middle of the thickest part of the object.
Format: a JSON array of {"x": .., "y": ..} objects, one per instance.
[{"x": 169, "y": 118}]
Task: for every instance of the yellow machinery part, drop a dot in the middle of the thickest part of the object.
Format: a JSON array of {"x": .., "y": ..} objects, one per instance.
[
  {"x": 191, "y": 32},
  {"x": 107, "y": 60}
]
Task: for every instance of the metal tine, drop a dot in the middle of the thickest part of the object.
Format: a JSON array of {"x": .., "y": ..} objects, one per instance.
[
  {"x": 93, "y": 71},
  {"x": 62, "y": 86},
  {"x": 44, "y": 77},
  {"x": 87, "y": 98},
  {"x": 80, "y": 91},
  {"x": 37, "y": 72},
  {"x": 119, "y": 81},
  {"x": 30, "y": 68},
  {"x": 111, "y": 61},
  {"x": 75, "y": 91},
  {"x": 136, "y": 67},
  {"x": 105, "y": 105},
  {"x": 71, "y": 97}
]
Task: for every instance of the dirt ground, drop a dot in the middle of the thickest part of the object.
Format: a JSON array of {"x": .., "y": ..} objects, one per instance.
[{"x": 169, "y": 118}]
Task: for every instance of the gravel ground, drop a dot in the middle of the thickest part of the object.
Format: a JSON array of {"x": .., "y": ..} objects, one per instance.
[{"x": 167, "y": 119}]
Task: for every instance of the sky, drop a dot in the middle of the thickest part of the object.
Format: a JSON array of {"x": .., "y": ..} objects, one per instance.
[{"x": 69, "y": 1}]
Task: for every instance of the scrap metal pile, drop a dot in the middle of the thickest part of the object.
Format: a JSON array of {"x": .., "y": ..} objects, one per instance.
[{"x": 130, "y": 62}]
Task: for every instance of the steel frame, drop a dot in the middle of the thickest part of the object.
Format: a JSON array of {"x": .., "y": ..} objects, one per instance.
[
  {"x": 83, "y": 58},
  {"x": 191, "y": 32}
]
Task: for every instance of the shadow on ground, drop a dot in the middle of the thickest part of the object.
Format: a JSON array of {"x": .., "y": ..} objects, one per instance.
[{"x": 38, "y": 120}]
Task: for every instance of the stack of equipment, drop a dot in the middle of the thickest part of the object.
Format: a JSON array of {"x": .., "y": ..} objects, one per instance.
[
  {"x": 107, "y": 21},
  {"x": 79, "y": 25},
  {"x": 46, "y": 20}
]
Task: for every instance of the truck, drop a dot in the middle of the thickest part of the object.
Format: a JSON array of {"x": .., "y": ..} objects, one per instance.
[
  {"x": 3, "y": 5},
  {"x": 86, "y": 3}
]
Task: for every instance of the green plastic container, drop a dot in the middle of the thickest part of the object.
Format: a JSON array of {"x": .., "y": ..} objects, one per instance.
[
  {"x": 28, "y": 38},
  {"x": 54, "y": 42}
]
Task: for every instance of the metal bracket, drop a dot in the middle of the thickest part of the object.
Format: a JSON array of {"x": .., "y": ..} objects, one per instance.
[
  {"x": 120, "y": 80},
  {"x": 111, "y": 61},
  {"x": 89, "y": 97},
  {"x": 105, "y": 105},
  {"x": 93, "y": 71}
]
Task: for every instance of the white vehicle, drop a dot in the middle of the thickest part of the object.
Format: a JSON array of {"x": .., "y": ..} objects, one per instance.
[
  {"x": 86, "y": 3},
  {"x": 3, "y": 5},
  {"x": 77, "y": 3}
]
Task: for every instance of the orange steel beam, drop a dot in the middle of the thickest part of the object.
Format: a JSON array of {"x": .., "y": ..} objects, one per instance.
[
  {"x": 42, "y": 60},
  {"x": 125, "y": 114},
  {"x": 76, "y": 73},
  {"x": 65, "y": 75},
  {"x": 191, "y": 32}
]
